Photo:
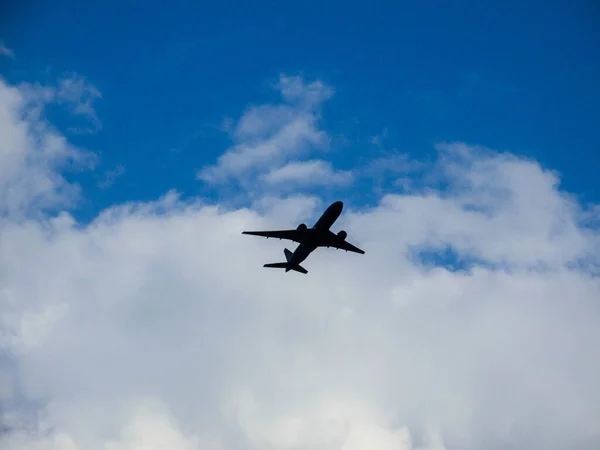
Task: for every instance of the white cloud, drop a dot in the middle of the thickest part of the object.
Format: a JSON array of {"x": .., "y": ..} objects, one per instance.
[
  {"x": 294, "y": 90},
  {"x": 294, "y": 208},
  {"x": 313, "y": 172},
  {"x": 80, "y": 95},
  {"x": 111, "y": 175},
  {"x": 156, "y": 326},
  {"x": 32, "y": 153},
  {"x": 71, "y": 90},
  {"x": 394, "y": 166},
  {"x": 268, "y": 135},
  {"x": 5, "y": 51},
  {"x": 378, "y": 139}
]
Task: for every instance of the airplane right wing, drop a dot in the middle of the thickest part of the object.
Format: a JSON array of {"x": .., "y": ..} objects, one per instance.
[
  {"x": 332, "y": 240},
  {"x": 292, "y": 235}
]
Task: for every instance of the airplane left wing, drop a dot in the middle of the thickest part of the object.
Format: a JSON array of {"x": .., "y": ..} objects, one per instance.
[
  {"x": 292, "y": 235},
  {"x": 333, "y": 240}
]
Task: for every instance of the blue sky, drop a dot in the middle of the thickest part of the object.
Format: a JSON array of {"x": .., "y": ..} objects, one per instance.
[{"x": 518, "y": 76}]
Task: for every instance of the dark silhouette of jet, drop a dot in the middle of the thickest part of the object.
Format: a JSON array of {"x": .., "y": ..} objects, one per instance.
[{"x": 309, "y": 239}]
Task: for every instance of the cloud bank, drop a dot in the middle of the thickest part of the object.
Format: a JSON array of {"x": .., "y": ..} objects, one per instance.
[{"x": 155, "y": 325}]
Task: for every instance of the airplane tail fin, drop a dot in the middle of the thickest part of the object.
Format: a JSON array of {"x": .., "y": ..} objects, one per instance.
[
  {"x": 284, "y": 265},
  {"x": 288, "y": 254}
]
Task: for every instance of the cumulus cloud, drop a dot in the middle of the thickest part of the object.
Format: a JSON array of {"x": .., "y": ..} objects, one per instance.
[
  {"x": 32, "y": 153},
  {"x": 295, "y": 90},
  {"x": 156, "y": 326},
  {"x": 266, "y": 136},
  {"x": 71, "y": 91},
  {"x": 313, "y": 172}
]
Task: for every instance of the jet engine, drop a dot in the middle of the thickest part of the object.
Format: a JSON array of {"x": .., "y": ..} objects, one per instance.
[
  {"x": 302, "y": 228},
  {"x": 342, "y": 235}
]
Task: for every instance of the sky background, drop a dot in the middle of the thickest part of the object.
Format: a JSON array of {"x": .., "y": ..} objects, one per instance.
[
  {"x": 136, "y": 143},
  {"x": 518, "y": 76}
]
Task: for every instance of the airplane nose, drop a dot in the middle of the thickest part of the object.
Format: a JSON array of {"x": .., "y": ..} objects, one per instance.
[{"x": 338, "y": 205}]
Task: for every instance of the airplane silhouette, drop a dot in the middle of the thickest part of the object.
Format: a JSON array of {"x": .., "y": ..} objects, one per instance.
[{"x": 310, "y": 239}]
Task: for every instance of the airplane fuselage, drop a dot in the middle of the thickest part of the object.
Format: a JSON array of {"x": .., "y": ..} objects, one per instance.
[
  {"x": 309, "y": 239},
  {"x": 313, "y": 234}
]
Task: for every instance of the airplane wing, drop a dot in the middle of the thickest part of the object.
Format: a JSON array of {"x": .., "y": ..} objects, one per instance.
[
  {"x": 333, "y": 240},
  {"x": 292, "y": 235}
]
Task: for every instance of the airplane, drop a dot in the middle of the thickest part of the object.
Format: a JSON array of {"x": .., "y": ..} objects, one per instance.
[{"x": 309, "y": 239}]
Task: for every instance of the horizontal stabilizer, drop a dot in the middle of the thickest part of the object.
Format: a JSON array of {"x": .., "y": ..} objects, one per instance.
[
  {"x": 300, "y": 269},
  {"x": 283, "y": 265},
  {"x": 277, "y": 265}
]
